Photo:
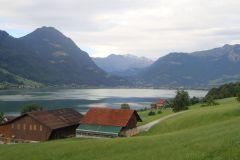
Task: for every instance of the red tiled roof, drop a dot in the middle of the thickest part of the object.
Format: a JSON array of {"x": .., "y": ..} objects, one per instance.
[{"x": 108, "y": 116}]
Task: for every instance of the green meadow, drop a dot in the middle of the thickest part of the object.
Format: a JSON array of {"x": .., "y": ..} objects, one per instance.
[
  {"x": 202, "y": 133},
  {"x": 146, "y": 118}
]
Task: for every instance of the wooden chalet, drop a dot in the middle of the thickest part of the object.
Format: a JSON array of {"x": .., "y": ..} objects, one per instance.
[
  {"x": 41, "y": 126},
  {"x": 159, "y": 104},
  {"x": 109, "y": 122}
]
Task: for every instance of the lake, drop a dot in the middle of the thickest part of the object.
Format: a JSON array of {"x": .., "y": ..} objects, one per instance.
[{"x": 81, "y": 99}]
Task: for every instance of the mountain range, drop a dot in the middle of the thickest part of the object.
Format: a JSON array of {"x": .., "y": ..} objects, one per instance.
[
  {"x": 122, "y": 65},
  {"x": 198, "y": 69},
  {"x": 48, "y": 57}
]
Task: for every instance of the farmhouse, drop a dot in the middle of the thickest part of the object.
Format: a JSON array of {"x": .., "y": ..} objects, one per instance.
[
  {"x": 159, "y": 104},
  {"x": 41, "y": 126},
  {"x": 109, "y": 122}
]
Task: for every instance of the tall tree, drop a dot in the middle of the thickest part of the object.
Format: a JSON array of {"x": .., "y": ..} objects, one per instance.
[{"x": 181, "y": 101}]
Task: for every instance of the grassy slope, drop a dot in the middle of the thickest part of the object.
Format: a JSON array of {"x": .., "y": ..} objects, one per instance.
[
  {"x": 20, "y": 79},
  {"x": 146, "y": 118},
  {"x": 203, "y": 133}
]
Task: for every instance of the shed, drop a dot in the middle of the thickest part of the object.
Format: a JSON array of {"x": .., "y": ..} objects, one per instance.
[{"x": 109, "y": 122}]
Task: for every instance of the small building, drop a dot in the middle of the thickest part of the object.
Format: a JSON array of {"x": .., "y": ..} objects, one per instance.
[
  {"x": 41, "y": 126},
  {"x": 159, "y": 104},
  {"x": 107, "y": 122}
]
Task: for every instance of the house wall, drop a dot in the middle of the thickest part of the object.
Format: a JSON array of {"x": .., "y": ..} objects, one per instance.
[
  {"x": 129, "y": 132},
  {"x": 5, "y": 131},
  {"x": 132, "y": 123},
  {"x": 130, "y": 129},
  {"x": 26, "y": 128}
]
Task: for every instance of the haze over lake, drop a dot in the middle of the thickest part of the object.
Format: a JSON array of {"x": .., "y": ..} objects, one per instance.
[{"x": 81, "y": 99}]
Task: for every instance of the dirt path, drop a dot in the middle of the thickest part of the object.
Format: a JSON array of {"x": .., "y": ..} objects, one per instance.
[{"x": 146, "y": 127}]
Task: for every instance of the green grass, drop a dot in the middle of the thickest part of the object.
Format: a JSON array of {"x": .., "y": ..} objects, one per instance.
[
  {"x": 199, "y": 116},
  {"x": 203, "y": 133},
  {"x": 146, "y": 118}
]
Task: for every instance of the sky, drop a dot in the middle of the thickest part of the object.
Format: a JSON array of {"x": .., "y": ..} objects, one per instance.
[{"x": 150, "y": 28}]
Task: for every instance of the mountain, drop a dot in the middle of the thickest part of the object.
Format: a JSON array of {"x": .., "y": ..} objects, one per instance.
[
  {"x": 122, "y": 65},
  {"x": 48, "y": 57},
  {"x": 198, "y": 69}
]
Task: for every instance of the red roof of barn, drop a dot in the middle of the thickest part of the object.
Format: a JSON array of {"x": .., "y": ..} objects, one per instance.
[{"x": 109, "y": 116}]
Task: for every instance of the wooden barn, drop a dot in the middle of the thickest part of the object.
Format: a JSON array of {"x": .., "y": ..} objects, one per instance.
[
  {"x": 109, "y": 122},
  {"x": 41, "y": 126}
]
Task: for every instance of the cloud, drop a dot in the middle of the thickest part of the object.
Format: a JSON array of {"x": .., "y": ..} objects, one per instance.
[{"x": 149, "y": 28}]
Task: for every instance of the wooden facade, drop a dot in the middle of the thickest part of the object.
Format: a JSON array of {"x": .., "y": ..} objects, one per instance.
[{"x": 36, "y": 126}]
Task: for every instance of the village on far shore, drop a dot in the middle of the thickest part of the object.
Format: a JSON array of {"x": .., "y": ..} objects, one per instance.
[{"x": 44, "y": 125}]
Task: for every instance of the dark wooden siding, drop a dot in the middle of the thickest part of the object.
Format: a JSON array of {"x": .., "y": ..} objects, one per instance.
[
  {"x": 26, "y": 128},
  {"x": 5, "y": 133},
  {"x": 64, "y": 132},
  {"x": 132, "y": 123},
  {"x": 130, "y": 129}
]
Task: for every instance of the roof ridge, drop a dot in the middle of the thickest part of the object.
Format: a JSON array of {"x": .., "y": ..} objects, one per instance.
[{"x": 108, "y": 116}]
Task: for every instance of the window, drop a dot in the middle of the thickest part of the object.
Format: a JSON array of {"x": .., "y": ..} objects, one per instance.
[
  {"x": 34, "y": 127},
  {"x": 18, "y": 126},
  {"x": 24, "y": 126},
  {"x": 40, "y": 127},
  {"x": 12, "y": 126},
  {"x": 30, "y": 127}
]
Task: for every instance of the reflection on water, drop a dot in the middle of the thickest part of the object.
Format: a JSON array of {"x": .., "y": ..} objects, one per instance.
[{"x": 82, "y": 99}]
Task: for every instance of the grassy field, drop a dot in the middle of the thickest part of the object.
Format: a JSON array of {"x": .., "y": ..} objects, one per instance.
[
  {"x": 209, "y": 133},
  {"x": 146, "y": 118}
]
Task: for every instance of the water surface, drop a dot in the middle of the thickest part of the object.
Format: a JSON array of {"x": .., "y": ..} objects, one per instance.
[{"x": 81, "y": 99}]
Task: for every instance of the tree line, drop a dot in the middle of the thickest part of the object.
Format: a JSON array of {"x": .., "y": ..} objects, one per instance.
[{"x": 225, "y": 91}]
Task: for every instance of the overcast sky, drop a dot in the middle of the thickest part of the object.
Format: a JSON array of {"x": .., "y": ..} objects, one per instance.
[{"x": 150, "y": 28}]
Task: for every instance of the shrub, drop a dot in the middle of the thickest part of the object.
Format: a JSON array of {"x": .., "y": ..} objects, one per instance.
[
  {"x": 151, "y": 113},
  {"x": 210, "y": 102},
  {"x": 125, "y": 106},
  {"x": 238, "y": 98},
  {"x": 1, "y": 117},
  {"x": 30, "y": 108},
  {"x": 194, "y": 100},
  {"x": 143, "y": 109},
  {"x": 159, "y": 111}
]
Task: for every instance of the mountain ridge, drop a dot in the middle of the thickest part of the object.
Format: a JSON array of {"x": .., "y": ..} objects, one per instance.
[
  {"x": 122, "y": 65},
  {"x": 202, "y": 68},
  {"x": 49, "y": 57}
]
